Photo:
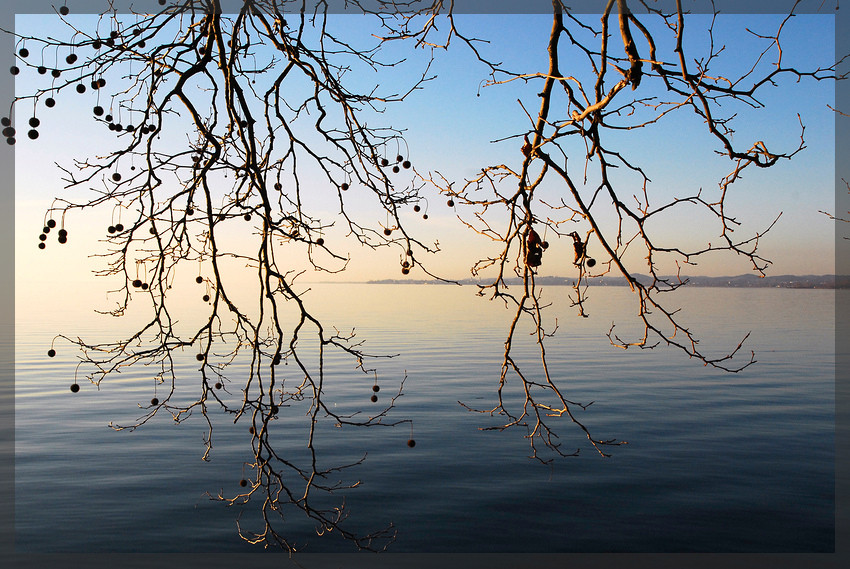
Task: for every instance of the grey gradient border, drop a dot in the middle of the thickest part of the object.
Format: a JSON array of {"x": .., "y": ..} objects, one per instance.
[{"x": 8, "y": 557}]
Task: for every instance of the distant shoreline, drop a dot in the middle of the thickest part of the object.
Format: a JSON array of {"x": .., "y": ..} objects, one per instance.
[{"x": 740, "y": 281}]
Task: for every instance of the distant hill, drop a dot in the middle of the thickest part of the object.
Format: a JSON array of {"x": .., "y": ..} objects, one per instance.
[{"x": 740, "y": 281}]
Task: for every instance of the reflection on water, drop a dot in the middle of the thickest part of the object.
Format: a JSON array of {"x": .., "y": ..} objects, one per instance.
[{"x": 716, "y": 461}]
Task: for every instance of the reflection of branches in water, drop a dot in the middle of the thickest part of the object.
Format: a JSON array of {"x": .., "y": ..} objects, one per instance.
[{"x": 251, "y": 121}]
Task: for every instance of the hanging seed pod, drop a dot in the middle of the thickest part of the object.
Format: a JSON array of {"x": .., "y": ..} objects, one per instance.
[
  {"x": 101, "y": 82},
  {"x": 376, "y": 388},
  {"x": 42, "y": 237},
  {"x": 9, "y": 131},
  {"x": 74, "y": 388},
  {"x": 154, "y": 401},
  {"x": 98, "y": 110},
  {"x": 144, "y": 286},
  {"x": 218, "y": 385},
  {"x": 591, "y": 262},
  {"x": 14, "y": 70},
  {"x": 81, "y": 88},
  {"x": 45, "y": 230},
  {"x": 320, "y": 241},
  {"x": 411, "y": 443},
  {"x": 108, "y": 118},
  {"x": 206, "y": 298},
  {"x": 119, "y": 227},
  {"x": 343, "y": 186},
  {"x": 64, "y": 10},
  {"x": 50, "y": 102},
  {"x": 417, "y": 209},
  {"x": 96, "y": 44},
  {"x": 24, "y": 52},
  {"x": 387, "y": 231},
  {"x": 6, "y": 121},
  {"x": 116, "y": 176},
  {"x": 199, "y": 280},
  {"x": 56, "y": 73},
  {"x": 385, "y": 162},
  {"x": 41, "y": 245},
  {"x": 33, "y": 134},
  {"x": 71, "y": 59},
  {"x": 51, "y": 223},
  {"x": 406, "y": 164},
  {"x": 111, "y": 229},
  {"x": 41, "y": 70},
  {"x": 450, "y": 203},
  {"x": 34, "y": 122},
  {"x": 399, "y": 158},
  {"x": 51, "y": 353},
  {"x": 199, "y": 357},
  {"x": 374, "y": 399},
  {"x": 137, "y": 283},
  {"x": 396, "y": 170}
]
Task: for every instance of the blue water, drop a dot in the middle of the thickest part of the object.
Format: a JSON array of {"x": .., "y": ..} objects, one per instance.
[{"x": 716, "y": 462}]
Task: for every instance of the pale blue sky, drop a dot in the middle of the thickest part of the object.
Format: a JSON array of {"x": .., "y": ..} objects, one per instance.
[{"x": 449, "y": 128}]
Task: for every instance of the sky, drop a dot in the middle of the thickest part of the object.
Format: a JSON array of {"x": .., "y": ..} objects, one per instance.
[{"x": 450, "y": 126}]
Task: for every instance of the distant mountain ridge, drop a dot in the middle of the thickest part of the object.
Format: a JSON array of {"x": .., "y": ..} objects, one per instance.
[{"x": 740, "y": 281}]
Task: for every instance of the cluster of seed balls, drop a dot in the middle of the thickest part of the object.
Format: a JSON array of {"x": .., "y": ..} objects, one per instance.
[
  {"x": 399, "y": 160},
  {"x": 9, "y": 131},
  {"x": 63, "y": 234}
]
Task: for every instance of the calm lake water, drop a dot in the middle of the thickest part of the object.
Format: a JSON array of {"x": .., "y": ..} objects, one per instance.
[{"x": 716, "y": 462}]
